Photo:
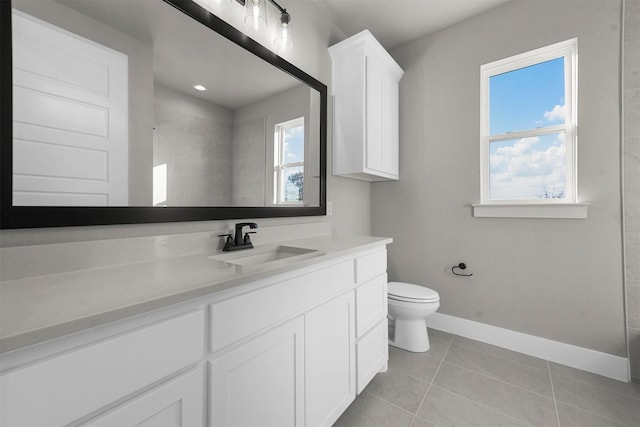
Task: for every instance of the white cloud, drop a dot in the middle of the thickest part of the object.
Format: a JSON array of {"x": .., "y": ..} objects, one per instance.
[
  {"x": 527, "y": 167},
  {"x": 556, "y": 114}
]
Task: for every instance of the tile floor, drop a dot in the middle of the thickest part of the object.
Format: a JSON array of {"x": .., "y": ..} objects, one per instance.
[{"x": 461, "y": 382}]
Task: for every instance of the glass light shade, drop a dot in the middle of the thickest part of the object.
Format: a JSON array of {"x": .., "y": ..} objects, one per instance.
[
  {"x": 284, "y": 36},
  {"x": 210, "y": 5},
  {"x": 256, "y": 15}
]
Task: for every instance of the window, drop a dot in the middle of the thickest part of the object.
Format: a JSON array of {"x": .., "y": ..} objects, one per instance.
[
  {"x": 288, "y": 170},
  {"x": 160, "y": 185},
  {"x": 528, "y": 125}
]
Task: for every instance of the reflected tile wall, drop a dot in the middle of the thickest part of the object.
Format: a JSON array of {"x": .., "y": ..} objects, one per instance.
[{"x": 193, "y": 137}]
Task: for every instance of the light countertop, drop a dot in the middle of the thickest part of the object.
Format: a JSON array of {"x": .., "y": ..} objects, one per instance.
[{"x": 41, "y": 308}]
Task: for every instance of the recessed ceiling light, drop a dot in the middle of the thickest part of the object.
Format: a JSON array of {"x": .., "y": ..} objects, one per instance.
[{"x": 200, "y": 88}]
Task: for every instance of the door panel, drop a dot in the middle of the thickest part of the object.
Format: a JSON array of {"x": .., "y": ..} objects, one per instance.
[{"x": 70, "y": 106}]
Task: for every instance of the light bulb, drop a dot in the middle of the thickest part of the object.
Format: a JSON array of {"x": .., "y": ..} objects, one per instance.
[
  {"x": 256, "y": 17},
  {"x": 284, "y": 39}
]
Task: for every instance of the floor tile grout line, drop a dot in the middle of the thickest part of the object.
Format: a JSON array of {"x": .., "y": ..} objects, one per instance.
[
  {"x": 483, "y": 405},
  {"x": 547, "y": 362},
  {"x": 593, "y": 413},
  {"x": 500, "y": 380},
  {"x": 387, "y": 401},
  {"x": 604, "y": 388},
  {"x": 504, "y": 358},
  {"x": 553, "y": 394},
  {"x": 431, "y": 382}
]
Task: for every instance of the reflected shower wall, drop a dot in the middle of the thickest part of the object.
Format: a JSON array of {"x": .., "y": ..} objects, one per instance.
[{"x": 193, "y": 138}]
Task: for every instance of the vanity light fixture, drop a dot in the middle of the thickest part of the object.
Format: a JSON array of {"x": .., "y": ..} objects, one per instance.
[
  {"x": 256, "y": 15},
  {"x": 256, "y": 19},
  {"x": 284, "y": 39},
  {"x": 200, "y": 88}
]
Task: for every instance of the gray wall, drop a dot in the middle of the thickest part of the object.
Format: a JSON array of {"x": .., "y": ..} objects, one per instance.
[
  {"x": 351, "y": 199},
  {"x": 250, "y": 137},
  {"x": 631, "y": 99},
  {"x": 193, "y": 137},
  {"x": 557, "y": 279}
]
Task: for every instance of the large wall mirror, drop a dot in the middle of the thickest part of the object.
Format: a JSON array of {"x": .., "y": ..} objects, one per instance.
[{"x": 104, "y": 120}]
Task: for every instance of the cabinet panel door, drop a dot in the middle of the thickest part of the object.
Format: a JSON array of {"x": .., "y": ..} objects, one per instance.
[
  {"x": 374, "y": 155},
  {"x": 391, "y": 126},
  {"x": 261, "y": 382},
  {"x": 177, "y": 403},
  {"x": 373, "y": 354},
  {"x": 330, "y": 360},
  {"x": 371, "y": 303}
]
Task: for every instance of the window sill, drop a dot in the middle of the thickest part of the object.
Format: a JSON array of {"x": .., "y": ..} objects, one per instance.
[{"x": 556, "y": 210}]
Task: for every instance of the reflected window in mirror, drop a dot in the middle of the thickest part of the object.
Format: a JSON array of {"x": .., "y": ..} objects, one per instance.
[{"x": 289, "y": 162}]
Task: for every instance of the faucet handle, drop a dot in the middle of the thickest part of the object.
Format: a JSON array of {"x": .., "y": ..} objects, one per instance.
[
  {"x": 228, "y": 242},
  {"x": 247, "y": 239}
]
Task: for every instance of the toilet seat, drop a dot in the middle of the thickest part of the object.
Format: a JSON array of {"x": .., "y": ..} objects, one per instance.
[{"x": 408, "y": 292}]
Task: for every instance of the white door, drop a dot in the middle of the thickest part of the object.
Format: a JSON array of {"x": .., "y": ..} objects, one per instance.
[
  {"x": 178, "y": 403},
  {"x": 261, "y": 382},
  {"x": 330, "y": 360},
  {"x": 70, "y": 118}
]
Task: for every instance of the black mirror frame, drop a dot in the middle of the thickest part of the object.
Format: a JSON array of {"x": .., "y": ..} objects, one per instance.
[{"x": 58, "y": 216}]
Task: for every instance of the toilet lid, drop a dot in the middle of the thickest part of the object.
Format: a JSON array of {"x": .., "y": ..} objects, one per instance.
[{"x": 410, "y": 292}]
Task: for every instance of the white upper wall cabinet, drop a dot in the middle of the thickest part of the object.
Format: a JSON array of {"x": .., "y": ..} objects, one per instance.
[{"x": 365, "y": 82}]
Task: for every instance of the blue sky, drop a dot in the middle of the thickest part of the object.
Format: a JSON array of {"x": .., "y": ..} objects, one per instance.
[
  {"x": 523, "y": 99},
  {"x": 520, "y": 98},
  {"x": 294, "y": 145}
]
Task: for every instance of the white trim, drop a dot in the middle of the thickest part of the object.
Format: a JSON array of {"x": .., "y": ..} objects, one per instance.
[
  {"x": 605, "y": 364},
  {"x": 529, "y": 210}
]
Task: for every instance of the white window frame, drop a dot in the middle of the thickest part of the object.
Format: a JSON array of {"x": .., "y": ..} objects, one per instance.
[
  {"x": 278, "y": 163},
  {"x": 567, "y": 207}
]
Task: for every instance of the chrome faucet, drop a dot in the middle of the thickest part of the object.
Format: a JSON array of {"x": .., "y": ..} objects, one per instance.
[{"x": 239, "y": 242}]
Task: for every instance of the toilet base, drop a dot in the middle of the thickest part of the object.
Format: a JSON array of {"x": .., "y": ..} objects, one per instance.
[{"x": 410, "y": 335}]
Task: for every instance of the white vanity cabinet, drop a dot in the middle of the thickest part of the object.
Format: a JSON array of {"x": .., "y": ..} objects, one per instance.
[
  {"x": 260, "y": 382},
  {"x": 372, "y": 350},
  {"x": 330, "y": 360},
  {"x": 177, "y": 403},
  {"x": 291, "y": 349},
  {"x": 66, "y": 387},
  {"x": 365, "y": 82}
]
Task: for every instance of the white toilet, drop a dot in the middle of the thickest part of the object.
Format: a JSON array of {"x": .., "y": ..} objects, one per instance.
[{"x": 409, "y": 307}]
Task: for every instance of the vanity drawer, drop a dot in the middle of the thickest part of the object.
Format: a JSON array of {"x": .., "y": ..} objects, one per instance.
[
  {"x": 371, "y": 304},
  {"x": 64, "y": 388},
  {"x": 239, "y": 317},
  {"x": 371, "y": 265},
  {"x": 372, "y": 354}
]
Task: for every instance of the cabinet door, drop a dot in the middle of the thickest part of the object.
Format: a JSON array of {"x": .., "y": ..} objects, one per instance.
[
  {"x": 374, "y": 145},
  {"x": 177, "y": 403},
  {"x": 371, "y": 303},
  {"x": 261, "y": 382},
  {"x": 373, "y": 354},
  {"x": 330, "y": 360},
  {"x": 382, "y": 119},
  {"x": 391, "y": 126}
]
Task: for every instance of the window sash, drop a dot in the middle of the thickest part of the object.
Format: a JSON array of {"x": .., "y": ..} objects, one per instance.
[
  {"x": 566, "y": 50},
  {"x": 279, "y": 163}
]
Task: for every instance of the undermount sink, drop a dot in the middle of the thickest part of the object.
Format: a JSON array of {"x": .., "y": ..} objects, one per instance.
[{"x": 272, "y": 255}]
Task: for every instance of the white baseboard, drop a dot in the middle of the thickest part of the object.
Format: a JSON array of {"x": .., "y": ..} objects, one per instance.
[{"x": 605, "y": 364}]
